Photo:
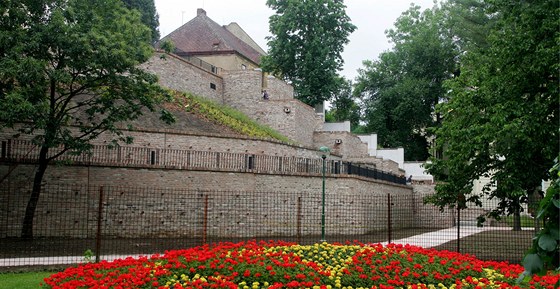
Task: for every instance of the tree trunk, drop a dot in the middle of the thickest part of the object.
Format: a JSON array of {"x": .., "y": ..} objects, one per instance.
[
  {"x": 27, "y": 226},
  {"x": 517, "y": 215}
]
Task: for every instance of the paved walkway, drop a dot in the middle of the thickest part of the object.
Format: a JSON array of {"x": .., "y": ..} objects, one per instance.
[
  {"x": 436, "y": 238},
  {"x": 426, "y": 240}
]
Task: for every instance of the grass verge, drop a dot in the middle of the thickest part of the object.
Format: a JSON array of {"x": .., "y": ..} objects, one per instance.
[
  {"x": 503, "y": 245},
  {"x": 23, "y": 280}
]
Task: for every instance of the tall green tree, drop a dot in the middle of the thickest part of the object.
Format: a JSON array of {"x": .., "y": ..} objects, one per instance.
[
  {"x": 469, "y": 22},
  {"x": 68, "y": 74},
  {"x": 307, "y": 40},
  {"x": 149, "y": 15},
  {"x": 344, "y": 105},
  {"x": 401, "y": 88},
  {"x": 501, "y": 120}
]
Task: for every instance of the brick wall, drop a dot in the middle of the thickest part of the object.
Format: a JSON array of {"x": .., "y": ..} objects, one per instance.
[
  {"x": 352, "y": 149},
  {"x": 175, "y": 73},
  {"x": 185, "y": 141},
  {"x": 173, "y": 203},
  {"x": 156, "y": 140},
  {"x": 292, "y": 118},
  {"x": 353, "y": 202},
  {"x": 348, "y": 145},
  {"x": 278, "y": 89},
  {"x": 242, "y": 90},
  {"x": 427, "y": 214}
]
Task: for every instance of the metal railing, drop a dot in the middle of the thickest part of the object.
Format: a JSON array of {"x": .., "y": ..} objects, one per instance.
[
  {"x": 14, "y": 150},
  {"x": 200, "y": 63}
]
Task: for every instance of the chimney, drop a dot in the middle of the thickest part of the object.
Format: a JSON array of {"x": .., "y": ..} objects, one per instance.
[{"x": 200, "y": 11}]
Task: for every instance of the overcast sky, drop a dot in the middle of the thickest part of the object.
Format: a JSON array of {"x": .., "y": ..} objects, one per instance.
[{"x": 372, "y": 17}]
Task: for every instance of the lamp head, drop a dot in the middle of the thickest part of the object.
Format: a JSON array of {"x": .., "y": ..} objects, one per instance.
[{"x": 325, "y": 151}]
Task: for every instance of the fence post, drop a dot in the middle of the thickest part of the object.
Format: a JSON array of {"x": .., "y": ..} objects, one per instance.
[
  {"x": 298, "y": 224},
  {"x": 9, "y": 148},
  {"x": 98, "y": 235},
  {"x": 458, "y": 228},
  {"x": 389, "y": 218},
  {"x": 205, "y": 221},
  {"x": 4, "y": 149},
  {"x": 119, "y": 154}
]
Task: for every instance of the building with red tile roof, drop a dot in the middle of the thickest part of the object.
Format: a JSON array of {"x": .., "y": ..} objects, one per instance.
[{"x": 223, "y": 47}]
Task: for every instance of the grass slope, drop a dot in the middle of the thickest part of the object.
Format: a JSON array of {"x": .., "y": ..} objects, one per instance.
[{"x": 227, "y": 116}]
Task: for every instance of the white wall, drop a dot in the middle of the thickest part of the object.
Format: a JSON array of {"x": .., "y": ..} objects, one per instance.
[
  {"x": 396, "y": 155},
  {"x": 371, "y": 141},
  {"x": 337, "y": 126},
  {"x": 416, "y": 169}
]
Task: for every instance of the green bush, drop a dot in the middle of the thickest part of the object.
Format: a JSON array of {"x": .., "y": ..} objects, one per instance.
[{"x": 544, "y": 254}]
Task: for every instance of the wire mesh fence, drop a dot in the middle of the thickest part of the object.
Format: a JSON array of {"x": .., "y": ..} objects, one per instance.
[{"x": 74, "y": 223}]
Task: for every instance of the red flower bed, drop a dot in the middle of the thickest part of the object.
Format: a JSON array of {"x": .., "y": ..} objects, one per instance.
[{"x": 286, "y": 265}]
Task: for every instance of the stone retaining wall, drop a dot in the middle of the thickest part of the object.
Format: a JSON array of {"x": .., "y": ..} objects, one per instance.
[{"x": 174, "y": 203}]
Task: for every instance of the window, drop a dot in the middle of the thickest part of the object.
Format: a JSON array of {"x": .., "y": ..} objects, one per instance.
[
  {"x": 212, "y": 86},
  {"x": 243, "y": 67},
  {"x": 250, "y": 162}
]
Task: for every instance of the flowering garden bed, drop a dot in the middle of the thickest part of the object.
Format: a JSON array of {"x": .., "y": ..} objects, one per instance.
[{"x": 271, "y": 264}]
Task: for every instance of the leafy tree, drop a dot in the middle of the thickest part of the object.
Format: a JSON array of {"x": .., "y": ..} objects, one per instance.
[
  {"x": 148, "y": 13},
  {"x": 501, "y": 120},
  {"x": 68, "y": 74},
  {"x": 469, "y": 22},
  {"x": 344, "y": 106},
  {"x": 306, "y": 45},
  {"x": 545, "y": 253},
  {"x": 167, "y": 46},
  {"x": 401, "y": 88}
]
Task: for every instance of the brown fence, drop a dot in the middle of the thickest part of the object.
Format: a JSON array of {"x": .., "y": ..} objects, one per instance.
[
  {"x": 114, "y": 222},
  {"x": 14, "y": 150}
]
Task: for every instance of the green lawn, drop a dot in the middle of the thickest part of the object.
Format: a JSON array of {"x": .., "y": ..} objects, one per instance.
[
  {"x": 22, "y": 280},
  {"x": 526, "y": 221}
]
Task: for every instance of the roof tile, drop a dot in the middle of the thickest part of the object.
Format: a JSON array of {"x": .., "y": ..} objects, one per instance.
[{"x": 202, "y": 35}]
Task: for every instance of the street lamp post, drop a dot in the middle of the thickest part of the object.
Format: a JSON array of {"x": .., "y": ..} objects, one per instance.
[{"x": 325, "y": 151}]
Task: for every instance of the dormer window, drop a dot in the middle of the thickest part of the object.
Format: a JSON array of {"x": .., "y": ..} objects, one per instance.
[{"x": 216, "y": 45}]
